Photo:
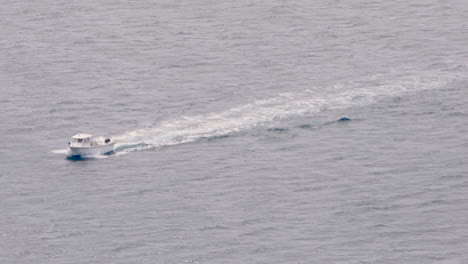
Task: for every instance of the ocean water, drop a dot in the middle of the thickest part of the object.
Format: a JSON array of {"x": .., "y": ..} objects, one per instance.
[{"x": 247, "y": 131}]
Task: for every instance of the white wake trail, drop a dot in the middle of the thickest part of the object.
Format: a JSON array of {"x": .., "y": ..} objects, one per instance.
[{"x": 261, "y": 112}]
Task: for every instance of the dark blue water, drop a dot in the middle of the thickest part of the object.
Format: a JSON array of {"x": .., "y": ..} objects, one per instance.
[{"x": 247, "y": 132}]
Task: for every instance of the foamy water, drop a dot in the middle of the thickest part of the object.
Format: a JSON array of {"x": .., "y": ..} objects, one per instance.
[{"x": 358, "y": 93}]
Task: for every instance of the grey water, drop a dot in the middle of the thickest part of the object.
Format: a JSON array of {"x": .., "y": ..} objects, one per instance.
[{"x": 247, "y": 131}]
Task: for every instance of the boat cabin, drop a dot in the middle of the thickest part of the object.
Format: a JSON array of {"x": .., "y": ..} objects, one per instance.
[{"x": 81, "y": 140}]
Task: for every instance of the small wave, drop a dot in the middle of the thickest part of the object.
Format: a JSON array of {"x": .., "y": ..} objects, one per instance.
[
  {"x": 60, "y": 151},
  {"x": 216, "y": 137},
  {"x": 344, "y": 119},
  {"x": 305, "y": 126},
  {"x": 278, "y": 129}
]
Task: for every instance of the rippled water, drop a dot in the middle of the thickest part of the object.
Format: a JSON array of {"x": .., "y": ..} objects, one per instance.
[{"x": 230, "y": 147}]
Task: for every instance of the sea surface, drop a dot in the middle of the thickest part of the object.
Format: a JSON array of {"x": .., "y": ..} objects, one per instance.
[{"x": 247, "y": 131}]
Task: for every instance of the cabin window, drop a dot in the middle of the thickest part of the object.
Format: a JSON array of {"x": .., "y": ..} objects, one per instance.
[{"x": 80, "y": 140}]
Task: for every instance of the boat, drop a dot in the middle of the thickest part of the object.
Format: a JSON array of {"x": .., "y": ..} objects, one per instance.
[{"x": 85, "y": 145}]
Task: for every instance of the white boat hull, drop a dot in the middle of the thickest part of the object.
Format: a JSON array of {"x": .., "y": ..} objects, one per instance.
[{"x": 83, "y": 152}]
